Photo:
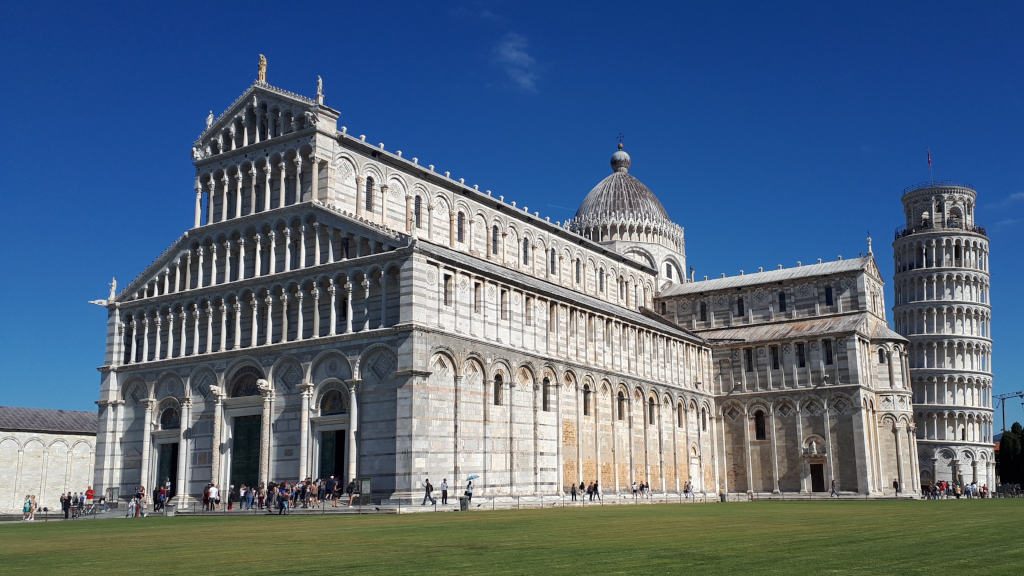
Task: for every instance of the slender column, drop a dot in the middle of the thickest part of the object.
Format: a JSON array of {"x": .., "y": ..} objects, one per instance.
[
  {"x": 238, "y": 192},
  {"x": 383, "y": 299},
  {"x": 199, "y": 268},
  {"x": 135, "y": 337},
  {"x": 213, "y": 264},
  {"x": 237, "y": 306},
  {"x": 266, "y": 437},
  {"x": 316, "y": 244},
  {"x": 188, "y": 270},
  {"x": 348, "y": 307},
  {"x": 353, "y": 427},
  {"x": 282, "y": 171},
  {"x": 255, "y": 304},
  {"x": 298, "y": 314},
  {"x": 145, "y": 337},
  {"x": 209, "y": 327},
  {"x": 177, "y": 274},
  {"x": 273, "y": 251},
  {"x": 410, "y": 226},
  {"x": 284, "y": 316},
  {"x": 183, "y": 451},
  {"x": 148, "y": 404},
  {"x": 195, "y": 329},
  {"x": 211, "y": 185},
  {"x": 315, "y": 293},
  {"x": 270, "y": 319},
  {"x": 306, "y": 390},
  {"x": 302, "y": 246},
  {"x": 199, "y": 202},
  {"x": 332, "y": 291},
  {"x": 218, "y": 417},
  {"x": 360, "y": 192},
  {"x": 257, "y": 255},
  {"x": 366, "y": 303},
  {"x": 170, "y": 333},
  {"x": 298, "y": 177},
  {"x": 252, "y": 188},
  {"x": 184, "y": 332},
  {"x": 225, "y": 182},
  {"x": 899, "y": 458},
  {"x": 287, "y": 249},
  {"x": 227, "y": 261},
  {"x": 223, "y": 325},
  {"x": 158, "y": 322},
  {"x": 267, "y": 169},
  {"x": 775, "y": 456}
]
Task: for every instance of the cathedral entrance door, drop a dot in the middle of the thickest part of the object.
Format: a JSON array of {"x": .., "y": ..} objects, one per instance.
[
  {"x": 167, "y": 467},
  {"x": 245, "y": 450},
  {"x": 817, "y": 477},
  {"x": 332, "y": 455}
]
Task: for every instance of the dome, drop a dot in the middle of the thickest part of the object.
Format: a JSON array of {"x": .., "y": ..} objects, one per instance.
[{"x": 621, "y": 194}]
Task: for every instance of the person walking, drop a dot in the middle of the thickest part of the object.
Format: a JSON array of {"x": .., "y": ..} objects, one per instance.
[
  {"x": 351, "y": 491},
  {"x": 597, "y": 490},
  {"x": 833, "y": 491},
  {"x": 26, "y": 508},
  {"x": 428, "y": 489},
  {"x": 65, "y": 504},
  {"x": 444, "y": 491},
  {"x": 469, "y": 491},
  {"x": 573, "y": 491}
]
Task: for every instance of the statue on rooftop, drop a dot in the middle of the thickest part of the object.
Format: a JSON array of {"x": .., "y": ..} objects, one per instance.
[{"x": 261, "y": 75}]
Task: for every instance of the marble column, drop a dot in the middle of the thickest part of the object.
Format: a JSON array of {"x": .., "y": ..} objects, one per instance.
[
  {"x": 199, "y": 203},
  {"x": 306, "y": 391},
  {"x": 148, "y": 405},
  {"x": 352, "y": 450},
  {"x": 266, "y": 435},
  {"x": 218, "y": 418},
  {"x": 183, "y": 451}
]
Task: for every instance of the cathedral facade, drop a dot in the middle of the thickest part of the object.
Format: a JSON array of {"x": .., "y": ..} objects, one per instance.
[{"x": 340, "y": 309}]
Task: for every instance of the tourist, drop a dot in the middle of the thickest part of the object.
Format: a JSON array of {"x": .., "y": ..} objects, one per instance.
[
  {"x": 261, "y": 496},
  {"x": 33, "y": 507},
  {"x": 573, "y": 491},
  {"x": 351, "y": 491},
  {"x": 26, "y": 508},
  {"x": 428, "y": 489},
  {"x": 833, "y": 491},
  {"x": 469, "y": 491},
  {"x": 214, "y": 497},
  {"x": 283, "y": 497},
  {"x": 635, "y": 489},
  {"x": 90, "y": 496},
  {"x": 131, "y": 508},
  {"x": 896, "y": 485},
  {"x": 597, "y": 490},
  {"x": 65, "y": 505},
  {"x": 329, "y": 487},
  {"x": 444, "y": 491}
]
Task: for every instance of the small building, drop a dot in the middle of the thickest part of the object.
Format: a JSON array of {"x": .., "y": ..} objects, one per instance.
[{"x": 44, "y": 453}]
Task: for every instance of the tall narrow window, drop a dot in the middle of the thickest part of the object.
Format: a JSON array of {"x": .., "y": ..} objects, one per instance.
[
  {"x": 650, "y": 411},
  {"x": 552, "y": 262},
  {"x": 448, "y": 282},
  {"x": 703, "y": 311},
  {"x": 826, "y": 346},
  {"x": 782, "y": 301},
  {"x": 621, "y": 405},
  {"x": 775, "y": 357},
  {"x": 748, "y": 359},
  {"x": 586, "y": 399},
  {"x": 528, "y": 303},
  {"x": 600, "y": 281},
  {"x": 704, "y": 419},
  {"x": 526, "y": 251},
  {"x": 495, "y": 234},
  {"x": 760, "y": 430},
  {"x": 801, "y": 356},
  {"x": 828, "y": 296},
  {"x": 740, "y": 309},
  {"x": 881, "y": 355},
  {"x": 668, "y": 270},
  {"x": 579, "y": 271},
  {"x": 504, "y": 305},
  {"x": 478, "y": 297},
  {"x": 417, "y": 212},
  {"x": 546, "y": 396},
  {"x": 498, "y": 382},
  {"x": 369, "y": 194},
  {"x": 680, "y": 423},
  {"x": 460, "y": 228}
]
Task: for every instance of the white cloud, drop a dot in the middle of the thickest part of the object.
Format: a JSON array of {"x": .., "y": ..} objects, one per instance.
[{"x": 511, "y": 54}]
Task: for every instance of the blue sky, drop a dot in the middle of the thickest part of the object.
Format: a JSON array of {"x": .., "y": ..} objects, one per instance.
[{"x": 771, "y": 133}]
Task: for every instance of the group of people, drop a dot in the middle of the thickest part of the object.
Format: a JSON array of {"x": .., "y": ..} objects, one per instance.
[
  {"x": 943, "y": 489},
  {"x": 281, "y": 496},
  {"x": 428, "y": 492},
  {"x": 72, "y": 505}
]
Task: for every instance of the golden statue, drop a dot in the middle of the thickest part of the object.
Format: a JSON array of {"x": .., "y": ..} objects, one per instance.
[{"x": 261, "y": 76}]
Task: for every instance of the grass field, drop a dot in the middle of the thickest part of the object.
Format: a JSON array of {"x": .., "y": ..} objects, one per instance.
[{"x": 946, "y": 537}]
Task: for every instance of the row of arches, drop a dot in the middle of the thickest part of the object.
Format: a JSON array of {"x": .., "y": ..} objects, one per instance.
[
  {"x": 951, "y": 355},
  {"x": 943, "y": 320},
  {"x": 258, "y": 121},
  {"x": 44, "y": 466},
  {"x": 924, "y": 287},
  {"x": 942, "y": 252},
  {"x": 966, "y": 391},
  {"x": 329, "y": 304},
  {"x": 955, "y": 426}
]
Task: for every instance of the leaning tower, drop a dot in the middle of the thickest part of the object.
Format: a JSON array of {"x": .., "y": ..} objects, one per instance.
[{"x": 942, "y": 307}]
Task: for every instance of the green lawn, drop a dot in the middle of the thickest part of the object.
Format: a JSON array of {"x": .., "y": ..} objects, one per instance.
[{"x": 947, "y": 537}]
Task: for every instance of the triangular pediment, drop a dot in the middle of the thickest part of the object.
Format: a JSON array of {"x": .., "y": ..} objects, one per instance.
[{"x": 258, "y": 94}]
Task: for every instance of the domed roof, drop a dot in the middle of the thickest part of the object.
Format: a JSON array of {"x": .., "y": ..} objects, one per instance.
[{"x": 621, "y": 194}]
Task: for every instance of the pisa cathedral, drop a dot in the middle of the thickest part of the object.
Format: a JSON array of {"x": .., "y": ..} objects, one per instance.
[{"x": 340, "y": 309}]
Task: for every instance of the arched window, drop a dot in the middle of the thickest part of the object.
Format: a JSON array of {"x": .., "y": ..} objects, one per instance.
[
  {"x": 586, "y": 399},
  {"x": 782, "y": 301},
  {"x": 704, "y": 419},
  {"x": 740, "y": 309},
  {"x": 760, "y": 432},
  {"x": 621, "y": 406},
  {"x": 498, "y": 382},
  {"x": 600, "y": 281},
  {"x": 881, "y": 355},
  {"x": 332, "y": 403},
  {"x": 494, "y": 239},
  {"x": 552, "y": 261},
  {"x": 526, "y": 251},
  {"x": 703, "y": 311},
  {"x": 679, "y": 416},
  {"x": 650, "y": 411},
  {"x": 244, "y": 383},
  {"x": 546, "y": 396},
  {"x": 170, "y": 419},
  {"x": 417, "y": 211},
  {"x": 460, "y": 228},
  {"x": 579, "y": 271},
  {"x": 369, "y": 194}
]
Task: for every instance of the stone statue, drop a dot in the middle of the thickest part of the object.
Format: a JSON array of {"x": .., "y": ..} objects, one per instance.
[
  {"x": 814, "y": 448},
  {"x": 209, "y": 119},
  {"x": 261, "y": 75},
  {"x": 113, "y": 289},
  {"x": 319, "y": 89}
]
